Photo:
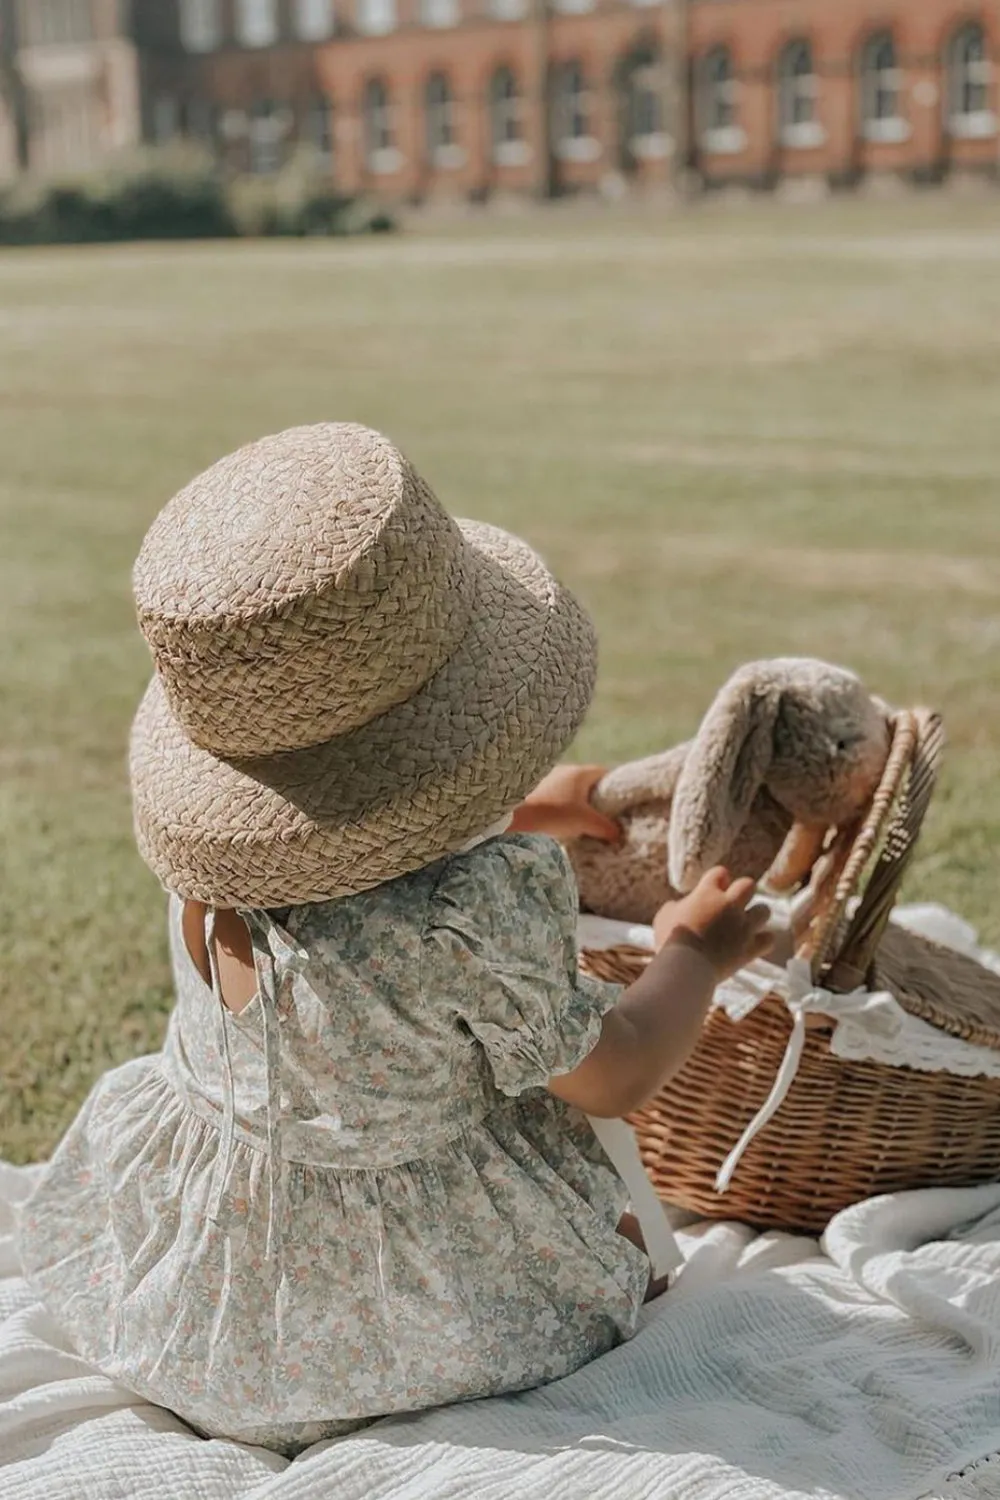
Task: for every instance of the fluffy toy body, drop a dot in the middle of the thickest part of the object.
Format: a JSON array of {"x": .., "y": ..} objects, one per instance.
[
  {"x": 789, "y": 750},
  {"x": 630, "y": 881}
]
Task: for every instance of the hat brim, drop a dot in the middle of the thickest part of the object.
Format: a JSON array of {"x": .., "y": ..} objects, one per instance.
[{"x": 404, "y": 790}]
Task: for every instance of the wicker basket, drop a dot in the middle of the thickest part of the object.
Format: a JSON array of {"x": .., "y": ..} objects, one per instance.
[{"x": 846, "y": 1130}]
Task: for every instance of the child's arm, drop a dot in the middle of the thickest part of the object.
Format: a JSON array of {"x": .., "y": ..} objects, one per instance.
[
  {"x": 560, "y": 806},
  {"x": 652, "y": 1031}
]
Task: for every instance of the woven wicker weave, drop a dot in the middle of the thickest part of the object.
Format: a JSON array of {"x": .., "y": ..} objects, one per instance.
[
  {"x": 847, "y": 1130},
  {"x": 349, "y": 684}
]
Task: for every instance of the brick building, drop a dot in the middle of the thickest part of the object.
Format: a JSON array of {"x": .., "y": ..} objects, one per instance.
[
  {"x": 423, "y": 98},
  {"x": 416, "y": 98},
  {"x": 841, "y": 88}
]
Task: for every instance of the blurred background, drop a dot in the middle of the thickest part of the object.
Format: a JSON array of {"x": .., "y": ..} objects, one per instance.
[
  {"x": 703, "y": 297},
  {"x": 477, "y": 99}
]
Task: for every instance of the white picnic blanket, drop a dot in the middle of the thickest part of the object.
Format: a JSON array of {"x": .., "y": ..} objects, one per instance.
[
  {"x": 774, "y": 1370},
  {"x": 771, "y": 1370}
]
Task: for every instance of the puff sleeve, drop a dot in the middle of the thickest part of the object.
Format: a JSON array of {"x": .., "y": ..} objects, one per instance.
[{"x": 500, "y": 951}]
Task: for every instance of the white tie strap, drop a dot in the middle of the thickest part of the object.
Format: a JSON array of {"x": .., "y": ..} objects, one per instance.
[{"x": 622, "y": 1150}]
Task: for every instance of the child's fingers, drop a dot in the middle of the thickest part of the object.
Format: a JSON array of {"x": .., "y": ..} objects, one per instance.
[
  {"x": 596, "y": 826},
  {"x": 718, "y": 879},
  {"x": 741, "y": 891}
]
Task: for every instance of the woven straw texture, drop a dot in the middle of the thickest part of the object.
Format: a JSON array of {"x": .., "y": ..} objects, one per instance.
[
  {"x": 348, "y": 685},
  {"x": 847, "y": 1130}
]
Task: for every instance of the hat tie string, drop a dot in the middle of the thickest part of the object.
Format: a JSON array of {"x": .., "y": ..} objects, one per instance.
[
  {"x": 224, "y": 1158},
  {"x": 267, "y": 991}
]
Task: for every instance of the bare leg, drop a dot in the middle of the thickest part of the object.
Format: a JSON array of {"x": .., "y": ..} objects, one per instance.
[{"x": 628, "y": 1227}]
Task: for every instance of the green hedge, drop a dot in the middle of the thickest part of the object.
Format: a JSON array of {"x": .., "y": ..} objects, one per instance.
[
  {"x": 177, "y": 193},
  {"x": 299, "y": 200}
]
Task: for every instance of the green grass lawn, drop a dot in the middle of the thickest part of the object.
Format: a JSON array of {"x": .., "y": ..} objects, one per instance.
[{"x": 738, "y": 434}]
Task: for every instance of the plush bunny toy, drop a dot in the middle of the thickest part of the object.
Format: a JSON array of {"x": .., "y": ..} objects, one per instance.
[
  {"x": 789, "y": 750},
  {"x": 630, "y": 881}
]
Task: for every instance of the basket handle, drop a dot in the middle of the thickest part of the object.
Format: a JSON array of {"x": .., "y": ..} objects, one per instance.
[
  {"x": 860, "y": 944},
  {"x": 890, "y": 830}
]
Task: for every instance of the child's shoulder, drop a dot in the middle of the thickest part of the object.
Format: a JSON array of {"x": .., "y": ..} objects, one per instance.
[
  {"x": 519, "y": 859},
  {"x": 487, "y": 885},
  {"x": 506, "y": 879}
]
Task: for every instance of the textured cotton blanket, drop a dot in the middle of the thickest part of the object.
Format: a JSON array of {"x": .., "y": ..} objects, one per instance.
[
  {"x": 776, "y": 1369},
  {"x": 772, "y": 1370}
]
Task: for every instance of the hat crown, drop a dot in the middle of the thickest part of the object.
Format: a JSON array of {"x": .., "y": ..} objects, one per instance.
[{"x": 298, "y": 589}]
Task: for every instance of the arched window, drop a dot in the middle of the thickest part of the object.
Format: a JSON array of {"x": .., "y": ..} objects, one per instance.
[
  {"x": 439, "y": 118},
  {"x": 798, "y": 89},
  {"x": 380, "y": 149},
  {"x": 881, "y": 90},
  {"x": 716, "y": 102},
  {"x": 573, "y": 104},
  {"x": 313, "y": 20},
  {"x": 256, "y": 22},
  {"x": 439, "y": 13},
  {"x": 201, "y": 25},
  {"x": 376, "y": 17},
  {"x": 645, "y": 101},
  {"x": 640, "y": 85},
  {"x": 317, "y": 129},
  {"x": 970, "y": 74},
  {"x": 506, "y": 128},
  {"x": 571, "y": 114},
  {"x": 717, "y": 99}
]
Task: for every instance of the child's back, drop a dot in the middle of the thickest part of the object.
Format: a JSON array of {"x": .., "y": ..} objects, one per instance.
[{"x": 430, "y": 1236}]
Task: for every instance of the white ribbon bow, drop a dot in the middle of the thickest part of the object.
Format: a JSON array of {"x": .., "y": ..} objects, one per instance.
[{"x": 802, "y": 997}]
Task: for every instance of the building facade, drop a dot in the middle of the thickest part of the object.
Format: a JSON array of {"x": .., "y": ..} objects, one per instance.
[
  {"x": 68, "y": 84},
  {"x": 417, "y": 99},
  {"x": 420, "y": 98},
  {"x": 843, "y": 88}
]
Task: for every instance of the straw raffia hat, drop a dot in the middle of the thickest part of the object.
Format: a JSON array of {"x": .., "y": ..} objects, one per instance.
[{"x": 349, "y": 684}]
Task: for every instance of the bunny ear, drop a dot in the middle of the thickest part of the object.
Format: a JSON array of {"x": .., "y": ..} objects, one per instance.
[{"x": 723, "y": 772}]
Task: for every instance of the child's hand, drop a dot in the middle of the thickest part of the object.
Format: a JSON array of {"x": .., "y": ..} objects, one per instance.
[
  {"x": 717, "y": 920},
  {"x": 560, "y": 806}
]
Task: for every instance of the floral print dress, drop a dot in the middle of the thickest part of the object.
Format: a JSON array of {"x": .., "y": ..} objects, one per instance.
[{"x": 356, "y": 1197}]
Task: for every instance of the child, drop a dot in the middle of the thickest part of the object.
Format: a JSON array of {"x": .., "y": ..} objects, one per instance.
[{"x": 359, "y": 1178}]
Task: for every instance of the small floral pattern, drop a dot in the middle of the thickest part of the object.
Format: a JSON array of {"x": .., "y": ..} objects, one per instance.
[{"x": 443, "y": 1228}]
